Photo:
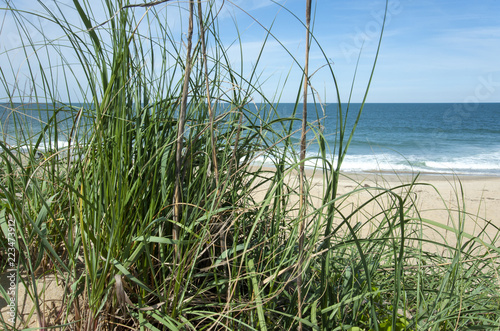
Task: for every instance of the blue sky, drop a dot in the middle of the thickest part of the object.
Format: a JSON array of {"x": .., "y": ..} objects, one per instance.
[{"x": 432, "y": 51}]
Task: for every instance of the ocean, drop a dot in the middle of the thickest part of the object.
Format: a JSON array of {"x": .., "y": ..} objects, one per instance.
[{"x": 427, "y": 138}]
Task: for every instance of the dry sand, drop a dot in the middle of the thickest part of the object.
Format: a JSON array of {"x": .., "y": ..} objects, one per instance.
[
  {"x": 467, "y": 201},
  {"x": 438, "y": 197},
  {"x": 444, "y": 199}
]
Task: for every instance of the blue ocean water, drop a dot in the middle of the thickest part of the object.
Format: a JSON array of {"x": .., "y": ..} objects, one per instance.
[
  {"x": 21, "y": 124},
  {"x": 431, "y": 138}
]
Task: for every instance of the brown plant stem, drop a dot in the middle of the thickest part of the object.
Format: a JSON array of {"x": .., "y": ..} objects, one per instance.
[
  {"x": 302, "y": 171},
  {"x": 180, "y": 136}
]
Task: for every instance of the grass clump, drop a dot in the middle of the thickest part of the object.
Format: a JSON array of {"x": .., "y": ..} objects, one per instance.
[{"x": 153, "y": 215}]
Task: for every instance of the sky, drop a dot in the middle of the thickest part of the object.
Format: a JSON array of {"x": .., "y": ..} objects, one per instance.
[{"x": 431, "y": 51}]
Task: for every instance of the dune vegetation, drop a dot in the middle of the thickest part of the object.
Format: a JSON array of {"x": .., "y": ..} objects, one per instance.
[{"x": 155, "y": 216}]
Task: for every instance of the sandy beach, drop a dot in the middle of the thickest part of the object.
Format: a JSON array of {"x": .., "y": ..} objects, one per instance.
[
  {"x": 477, "y": 196},
  {"x": 444, "y": 198},
  {"x": 465, "y": 203}
]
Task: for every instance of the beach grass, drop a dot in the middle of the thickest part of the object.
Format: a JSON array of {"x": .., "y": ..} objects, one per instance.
[{"x": 155, "y": 215}]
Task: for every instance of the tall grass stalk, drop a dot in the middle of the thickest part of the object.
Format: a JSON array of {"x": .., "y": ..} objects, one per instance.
[
  {"x": 302, "y": 206},
  {"x": 209, "y": 101},
  {"x": 180, "y": 131},
  {"x": 154, "y": 215}
]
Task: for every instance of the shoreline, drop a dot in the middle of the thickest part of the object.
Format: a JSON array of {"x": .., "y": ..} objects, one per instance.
[
  {"x": 384, "y": 173},
  {"x": 391, "y": 174}
]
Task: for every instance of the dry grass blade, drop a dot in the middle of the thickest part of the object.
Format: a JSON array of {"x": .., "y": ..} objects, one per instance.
[{"x": 121, "y": 295}]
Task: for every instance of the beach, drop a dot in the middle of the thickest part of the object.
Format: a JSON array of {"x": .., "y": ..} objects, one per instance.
[
  {"x": 152, "y": 163},
  {"x": 477, "y": 196},
  {"x": 460, "y": 203}
]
